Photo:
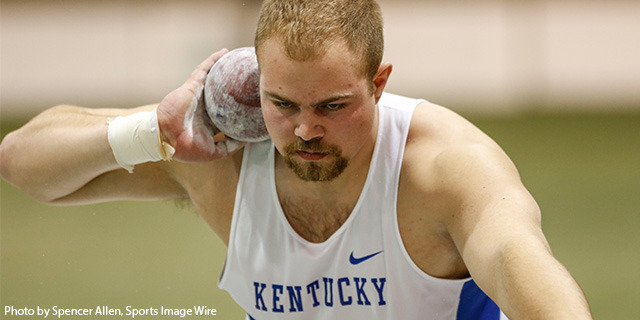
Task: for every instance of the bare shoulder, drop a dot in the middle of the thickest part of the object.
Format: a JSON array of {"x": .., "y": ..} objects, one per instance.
[
  {"x": 448, "y": 156},
  {"x": 211, "y": 187},
  {"x": 442, "y": 145}
]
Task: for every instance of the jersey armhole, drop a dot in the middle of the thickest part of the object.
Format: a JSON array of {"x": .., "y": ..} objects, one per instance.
[{"x": 234, "y": 218}]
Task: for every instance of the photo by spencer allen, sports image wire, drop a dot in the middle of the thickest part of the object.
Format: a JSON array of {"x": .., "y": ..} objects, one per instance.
[
  {"x": 107, "y": 311},
  {"x": 324, "y": 159}
]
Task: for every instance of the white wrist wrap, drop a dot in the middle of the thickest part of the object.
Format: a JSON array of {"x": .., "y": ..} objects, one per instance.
[{"x": 136, "y": 139}]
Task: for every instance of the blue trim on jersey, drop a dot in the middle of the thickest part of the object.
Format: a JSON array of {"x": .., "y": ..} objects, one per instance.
[{"x": 475, "y": 304}]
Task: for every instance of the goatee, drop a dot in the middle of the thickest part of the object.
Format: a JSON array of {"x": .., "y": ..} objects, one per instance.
[{"x": 312, "y": 170}]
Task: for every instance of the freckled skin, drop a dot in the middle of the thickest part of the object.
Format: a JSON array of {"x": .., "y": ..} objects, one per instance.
[{"x": 232, "y": 96}]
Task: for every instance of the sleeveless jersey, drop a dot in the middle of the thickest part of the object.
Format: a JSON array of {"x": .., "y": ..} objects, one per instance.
[{"x": 362, "y": 271}]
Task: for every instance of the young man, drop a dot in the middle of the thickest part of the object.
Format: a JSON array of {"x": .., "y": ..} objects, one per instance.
[{"x": 363, "y": 205}]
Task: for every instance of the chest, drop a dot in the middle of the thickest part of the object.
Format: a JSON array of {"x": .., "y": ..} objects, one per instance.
[{"x": 314, "y": 220}]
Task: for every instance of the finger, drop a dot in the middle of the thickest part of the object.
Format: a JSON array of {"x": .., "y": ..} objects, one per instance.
[
  {"x": 225, "y": 148},
  {"x": 219, "y": 137},
  {"x": 197, "y": 77},
  {"x": 208, "y": 63},
  {"x": 228, "y": 144},
  {"x": 231, "y": 145}
]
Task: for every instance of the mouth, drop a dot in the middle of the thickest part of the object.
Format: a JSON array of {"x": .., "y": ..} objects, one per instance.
[{"x": 312, "y": 156}]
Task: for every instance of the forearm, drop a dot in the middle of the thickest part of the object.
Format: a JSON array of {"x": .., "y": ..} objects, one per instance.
[
  {"x": 532, "y": 284},
  {"x": 59, "y": 151},
  {"x": 72, "y": 155}
]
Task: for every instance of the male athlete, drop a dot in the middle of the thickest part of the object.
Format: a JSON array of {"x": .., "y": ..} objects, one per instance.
[{"x": 363, "y": 205}]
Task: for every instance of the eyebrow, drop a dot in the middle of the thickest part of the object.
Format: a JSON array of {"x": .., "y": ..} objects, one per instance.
[{"x": 317, "y": 104}]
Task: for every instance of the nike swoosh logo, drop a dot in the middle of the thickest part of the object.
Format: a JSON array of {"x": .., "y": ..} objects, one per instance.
[{"x": 355, "y": 260}]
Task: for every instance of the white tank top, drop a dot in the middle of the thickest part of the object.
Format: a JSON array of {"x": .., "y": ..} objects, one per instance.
[{"x": 362, "y": 271}]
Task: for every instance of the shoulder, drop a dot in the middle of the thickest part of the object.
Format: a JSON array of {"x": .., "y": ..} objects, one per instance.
[
  {"x": 440, "y": 139},
  {"x": 449, "y": 156},
  {"x": 435, "y": 124}
]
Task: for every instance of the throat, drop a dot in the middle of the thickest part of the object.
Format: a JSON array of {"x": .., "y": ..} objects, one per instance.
[
  {"x": 316, "y": 210},
  {"x": 314, "y": 221}
]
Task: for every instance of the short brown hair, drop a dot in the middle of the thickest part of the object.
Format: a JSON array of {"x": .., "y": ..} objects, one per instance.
[{"x": 307, "y": 28}]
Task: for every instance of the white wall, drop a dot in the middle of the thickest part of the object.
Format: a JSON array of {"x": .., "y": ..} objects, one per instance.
[
  {"x": 514, "y": 55},
  {"x": 473, "y": 56}
]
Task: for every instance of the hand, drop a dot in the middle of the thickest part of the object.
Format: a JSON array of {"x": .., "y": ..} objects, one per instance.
[{"x": 184, "y": 122}]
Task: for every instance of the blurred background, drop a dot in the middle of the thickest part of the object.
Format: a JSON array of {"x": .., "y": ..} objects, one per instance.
[{"x": 555, "y": 83}]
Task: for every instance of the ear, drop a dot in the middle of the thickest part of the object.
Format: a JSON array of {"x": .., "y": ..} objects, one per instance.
[{"x": 381, "y": 78}]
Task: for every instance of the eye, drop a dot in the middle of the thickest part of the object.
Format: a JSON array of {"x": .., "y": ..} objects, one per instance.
[
  {"x": 334, "y": 106},
  {"x": 282, "y": 104}
]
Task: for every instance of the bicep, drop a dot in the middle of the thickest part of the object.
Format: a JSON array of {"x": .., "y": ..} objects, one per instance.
[
  {"x": 496, "y": 217},
  {"x": 485, "y": 234}
]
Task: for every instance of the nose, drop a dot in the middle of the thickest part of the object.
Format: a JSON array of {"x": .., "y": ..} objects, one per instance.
[{"x": 308, "y": 126}]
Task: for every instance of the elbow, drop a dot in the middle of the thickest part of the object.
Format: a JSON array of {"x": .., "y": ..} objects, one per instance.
[
  {"x": 6, "y": 164},
  {"x": 26, "y": 161},
  {"x": 13, "y": 171}
]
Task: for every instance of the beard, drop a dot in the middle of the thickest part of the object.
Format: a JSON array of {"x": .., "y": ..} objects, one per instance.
[{"x": 315, "y": 171}]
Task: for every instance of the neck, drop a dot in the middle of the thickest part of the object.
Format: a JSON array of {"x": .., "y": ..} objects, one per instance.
[{"x": 315, "y": 210}]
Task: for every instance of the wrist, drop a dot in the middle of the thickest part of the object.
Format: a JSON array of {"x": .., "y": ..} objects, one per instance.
[{"x": 136, "y": 139}]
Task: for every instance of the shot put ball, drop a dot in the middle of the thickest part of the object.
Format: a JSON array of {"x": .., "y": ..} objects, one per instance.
[{"x": 232, "y": 96}]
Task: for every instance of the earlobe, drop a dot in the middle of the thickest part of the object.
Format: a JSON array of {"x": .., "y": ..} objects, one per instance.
[{"x": 381, "y": 78}]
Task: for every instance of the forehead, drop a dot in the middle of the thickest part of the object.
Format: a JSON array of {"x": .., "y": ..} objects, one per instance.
[
  {"x": 336, "y": 50},
  {"x": 336, "y": 69}
]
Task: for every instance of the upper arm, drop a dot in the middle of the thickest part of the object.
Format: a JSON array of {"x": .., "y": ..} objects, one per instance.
[
  {"x": 496, "y": 218},
  {"x": 496, "y": 228},
  {"x": 484, "y": 207},
  {"x": 478, "y": 202}
]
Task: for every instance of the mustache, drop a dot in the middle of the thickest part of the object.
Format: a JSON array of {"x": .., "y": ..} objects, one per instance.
[{"x": 314, "y": 145}]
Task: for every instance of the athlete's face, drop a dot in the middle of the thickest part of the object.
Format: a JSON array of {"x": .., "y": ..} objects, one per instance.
[{"x": 320, "y": 114}]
